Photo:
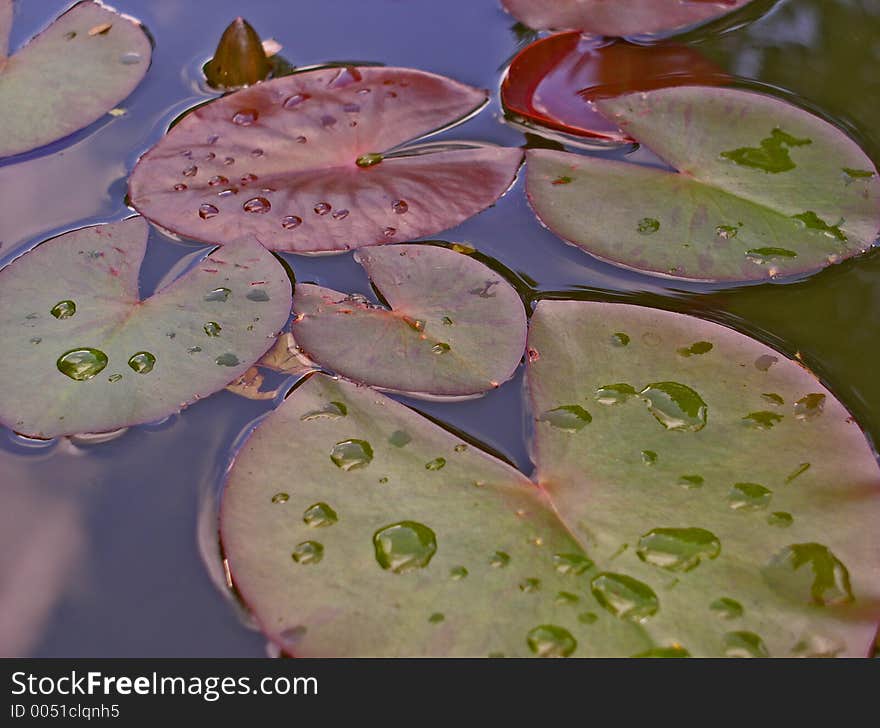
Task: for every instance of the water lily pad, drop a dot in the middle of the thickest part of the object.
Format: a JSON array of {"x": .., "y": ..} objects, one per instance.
[
  {"x": 83, "y": 353},
  {"x": 472, "y": 540},
  {"x": 553, "y": 82},
  {"x": 302, "y": 162},
  {"x": 700, "y": 523},
  {"x": 455, "y": 327},
  {"x": 764, "y": 189},
  {"x": 86, "y": 62},
  {"x": 618, "y": 17}
]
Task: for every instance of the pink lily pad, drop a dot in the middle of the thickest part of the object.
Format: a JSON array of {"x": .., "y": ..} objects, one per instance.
[
  {"x": 554, "y": 82},
  {"x": 304, "y": 163},
  {"x": 85, "y": 354},
  {"x": 455, "y": 327},
  {"x": 81, "y": 66},
  {"x": 618, "y": 17}
]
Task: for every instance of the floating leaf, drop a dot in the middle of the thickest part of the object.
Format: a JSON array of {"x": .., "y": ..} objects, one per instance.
[
  {"x": 404, "y": 539},
  {"x": 761, "y": 189},
  {"x": 86, "y": 62},
  {"x": 700, "y": 547},
  {"x": 113, "y": 360},
  {"x": 553, "y": 82},
  {"x": 455, "y": 326},
  {"x": 618, "y": 17},
  {"x": 312, "y": 162}
]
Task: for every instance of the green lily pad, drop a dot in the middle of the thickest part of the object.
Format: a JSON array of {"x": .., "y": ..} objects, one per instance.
[
  {"x": 87, "y": 61},
  {"x": 455, "y": 327},
  {"x": 83, "y": 352},
  {"x": 423, "y": 524},
  {"x": 741, "y": 521},
  {"x": 764, "y": 189}
]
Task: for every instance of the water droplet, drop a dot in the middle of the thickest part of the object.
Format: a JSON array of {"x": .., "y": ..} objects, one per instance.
[
  {"x": 549, "y": 640},
  {"x": 227, "y": 360},
  {"x": 675, "y": 651},
  {"x": 320, "y": 515},
  {"x": 588, "y": 617},
  {"x": 36, "y": 339},
  {"x": 748, "y": 497},
  {"x": 280, "y": 498},
  {"x": 404, "y": 546},
  {"x": 399, "y": 438},
  {"x": 809, "y": 406},
  {"x": 228, "y": 161},
  {"x": 63, "y": 309},
  {"x": 114, "y": 378},
  {"x": 744, "y": 644},
  {"x": 691, "y": 481},
  {"x": 351, "y": 454},
  {"x": 330, "y": 411},
  {"x": 435, "y": 464},
  {"x": 809, "y": 572},
  {"x": 726, "y": 232},
  {"x": 620, "y": 339},
  {"x": 368, "y": 160},
  {"x": 191, "y": 171},
  {"x": 780, "y": 519},
  {"x": 259, "y": 205},
  {"x": 436, "y": 618},
  {"x": 773, "y": 398},
  {"x": 820, "y": 646},
  {"x": 179, "y": 187},
  {"x": 328, "y": 121},
  {"x": 457, "y": 573},
  {"x": 648, "y": 225},
  {"x": 762, "y": 420},
  {"x": 678, "y": 549},
  {"x": 257, "y": 153},
  {"x": 142, "y": 362},
  {"x": 649, "y": 457},
  {"x": 614, "y": 393},
  {"x": 217, "y": 179},
  {"x": 571, "y": 564},
  {"x": 308, "y": 552},
  {"x": 676, "y": 406},
  {"x": 400, "y": 206},
  {"x": 383, "y": 480},
  {"x": 258, "y": 295},
  {"x": 212, "y": 328},
  {"x": 766, "y": 255},
  {"x": 322, "y": 208},
  {"x": 569, "y": 417},
  {"x": 727, "y": 608},
  {"x": 389, "y": 232},
  {"x": 564, "y": 599},
  {"x": 440, "y": 348},
  {"x": 530, "y": 585},
  {"x": 696, "y": 349},
  {"x": 290, "y": 222},
  {"x": 207, "y": 211},
  {"x": 82, "y": 364},
  {"x": 130, "y": 59},
  {"x": 764, "y": 362},
  {"x": 248, "y": 178},
  {"x": 772, "y": 155},
  {"x": 624, "y": 596},
  {"x": 499, "y": 560},
  {"x": 218, "y": 294},
  {"x": 245, "y": 117}
]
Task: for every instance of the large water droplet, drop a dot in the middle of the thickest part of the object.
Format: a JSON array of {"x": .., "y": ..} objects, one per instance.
[
  {"x": 257, "y": 205},
  {"x": 330, "y": 411},
  {"x": 569, "y": 417},
  {"x": 780, "y": 519},
  {"x": 207, "y": 211},
  {"x": 259, "y": 295},
  {"x": 322, "y": 208},
  {"x": 351, "y": 454},
  {"x": 727, "y": 608},
  {"x": 748, "y": 497},
  {"x": 809, "y": 406},
  {"x": 245, "y": 117},
  {"x": 744, "y": 644},
  {"x": 624, "y": 596},
  {"x": 676, "y": 406},
  {"x": 399, "y": 438},
  {"x": 308, "y": 552},
  {"x": 809, "y": 572},
  {"x": 280, "y": 497},
  {"x": 63, "y": 309},
  {"x": 696, "y": 349},
  {"x": 404, "y": 546},
  {"x": 691, "y": 481},
  {"x": 218, "y": 294},
  {"x": 678, "y": 549},
  {"x": 290, "y": 222},
  {"x": 227, "y": 360},
  {"x": 142, "y": 362},
  {"x": 614, "y": 393},
  {"x": 549, "y": 640},
  {"x": 82, "y": 364},
  {"x": 620, "y": 339},
  {"x": 572, "y": 564},
  {"x": 320, "y": 515}
]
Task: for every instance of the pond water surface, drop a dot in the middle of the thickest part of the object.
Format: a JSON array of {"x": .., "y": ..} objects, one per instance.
[{"x": 109, "y": 549}]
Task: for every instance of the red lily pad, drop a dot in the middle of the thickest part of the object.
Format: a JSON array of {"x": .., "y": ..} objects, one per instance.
[
  {"x": 84, "y": 353},
  {"x": 86, "y": 62},
  {"x": 618, "y": 17},
  {"x": 554, "y": 81},
  {"x": 455, "y": 327},
  {"x": 302, "y": 162}
]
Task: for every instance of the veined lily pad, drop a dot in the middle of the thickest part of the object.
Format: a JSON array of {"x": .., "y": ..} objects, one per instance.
[
  {"x": 302, "y": 162},
  {"x": 87, "y": 61},
  {"x": 756, "y": 513},
  {"x": 83, "y": 353},
  {"x": 764, "y": 189},
  {"x": 473, "y": 540},
  {"x": 618, "y": 17},
  {"x": 455, "y": 326},
  {"x": 554, "y": 81}
]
